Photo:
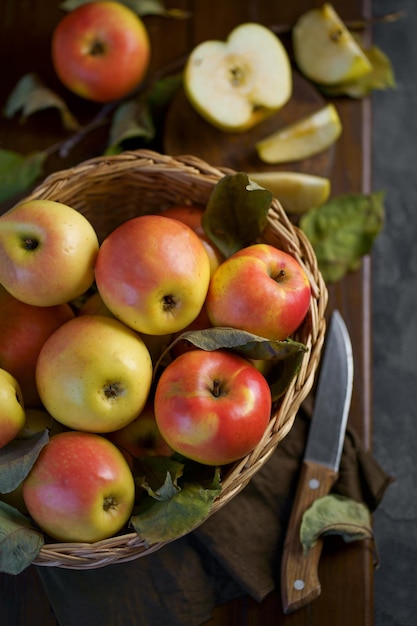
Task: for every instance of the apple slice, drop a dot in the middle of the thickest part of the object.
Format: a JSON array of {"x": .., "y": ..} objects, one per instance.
[
  {"x": 296, "y": 191},
  {"x": 324, "y": 49},
  {"x": 303, "y": 138},
  {"x": 237, "y": 83}
]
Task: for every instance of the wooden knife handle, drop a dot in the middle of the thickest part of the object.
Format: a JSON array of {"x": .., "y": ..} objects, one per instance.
[{"x": 299, "y": 572}]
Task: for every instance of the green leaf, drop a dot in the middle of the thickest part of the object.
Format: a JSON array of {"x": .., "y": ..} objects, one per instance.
[
  {"x": 150, "y": 472},
  {"x": 19, "y": 172},
  {"x": 141, "y": 7},
  {"x": 247, "y": 344},
  {"x": 335, "y": 515},
  {"x": 131, "y": 120},
  {"x": 343, "y": 230},
  {"x": 163, "y": 90},
  {"x": 381, "y": 77},
  {"x": 30, "y": 95},
  {"x": 179, "y": 495},
  {"x": 236, "y": 213},
  {"x": 138, "y": 118},
  {"x": 282, "y": 373},
  {"x": 19, "y": 541},
  {"x": 17, "y": 459},
  {"x": 171, "y": 518}
]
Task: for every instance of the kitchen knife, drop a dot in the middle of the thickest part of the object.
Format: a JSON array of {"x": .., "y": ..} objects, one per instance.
[{"x": 299, "y": 572}]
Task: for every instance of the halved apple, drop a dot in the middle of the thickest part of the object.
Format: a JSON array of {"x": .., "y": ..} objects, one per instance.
[
  {"x": 297, "y": 192},
  {"x": 237, "y": 83},
  {"x": 324, "y": 49},
  {"x": 303, "y": 138}
]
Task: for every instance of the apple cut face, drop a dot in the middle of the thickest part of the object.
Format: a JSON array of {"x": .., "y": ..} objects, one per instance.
[
  {"x": 324, "y": 49},
  {"x": 237, "y": 83}
]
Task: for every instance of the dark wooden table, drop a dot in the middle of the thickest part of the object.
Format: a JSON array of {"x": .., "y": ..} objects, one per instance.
[{"x": 346, "y": 571}]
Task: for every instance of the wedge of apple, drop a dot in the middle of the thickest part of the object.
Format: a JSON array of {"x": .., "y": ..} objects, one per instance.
[
  {"x": 303, "y": 138},
  {"x": 237, "y": 83},
  {"x": 324, "y": 49},
  {"x": 296, "y": 191}
]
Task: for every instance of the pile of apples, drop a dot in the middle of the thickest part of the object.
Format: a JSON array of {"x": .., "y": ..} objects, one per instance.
[{"x": 91, "y": 369}]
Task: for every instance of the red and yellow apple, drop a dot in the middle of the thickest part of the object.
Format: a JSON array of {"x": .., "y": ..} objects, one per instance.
[
  {"x": 259, "y": 289},
  {"x": 47, "y": 252},
  {"x": 212, "y": 407},
  {"x": 94, "y": 374},
  {"x": 101, "y": 51},
  {"x": 12, "y": 412},
  {"x": 141, "y": 437},
  {"x": 80, "y": 488},
  {"x": 153, "y": 273},
  {"x": 192, "y": 216},
  {"x": 24, "y": 328}
]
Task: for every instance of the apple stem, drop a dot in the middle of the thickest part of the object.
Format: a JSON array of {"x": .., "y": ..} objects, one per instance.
[
  {"x": 169, "y": 303},
  {"x": 30, "y": 244},
  {"x": 216, "y": 388},
  {"x": 279, "y": 277},
  {"x": 97, "y": 49}
]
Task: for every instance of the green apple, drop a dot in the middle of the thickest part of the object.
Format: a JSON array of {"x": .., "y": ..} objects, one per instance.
[
  {"x": 234, "y": 84},
  {"x": 259, "y": 289},
  {"x": 80, "y": 488},
  {"x": 47, "y": 252},
  {"x": 324, "y": 49},
  {"x": 12, "y": 414},
  {"x": 94, "y": 374},
  {"x": 101, "y": 51},
  {"x": 153, "y": 273}
]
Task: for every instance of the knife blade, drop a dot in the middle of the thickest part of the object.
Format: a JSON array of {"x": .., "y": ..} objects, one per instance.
[{"x": 300, "y": 583}]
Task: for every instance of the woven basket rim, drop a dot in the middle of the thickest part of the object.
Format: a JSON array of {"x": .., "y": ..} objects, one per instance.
[{"x": 189, "y": 176}]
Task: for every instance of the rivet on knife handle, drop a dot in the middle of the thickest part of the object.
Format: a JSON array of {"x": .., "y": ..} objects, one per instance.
[{"x": 299, "y": 572}]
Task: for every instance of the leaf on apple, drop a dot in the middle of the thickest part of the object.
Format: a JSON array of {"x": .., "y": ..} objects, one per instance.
[
  {"x": 18, "y": 172},
  {"x": 335, "y": 515},
  {"x": 246, "y": 344},
  {"x": 282, "y": 373},
  {"x": 141, "y": 7},
  {"x": 19, "y": 541},
  {"x": 152, "y": 471},
  {"x": 236, "y": 213},
  {"x": 380, "y": 77},
  {"x": 343, "y": 230},
  {"x": 30, "y": 95},
  {"x": 176, "y": 507},
  {"x": 17, "y": 459}
]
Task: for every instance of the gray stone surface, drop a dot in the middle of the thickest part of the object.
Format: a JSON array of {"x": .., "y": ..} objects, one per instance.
[{"x": 395, "y": 319}]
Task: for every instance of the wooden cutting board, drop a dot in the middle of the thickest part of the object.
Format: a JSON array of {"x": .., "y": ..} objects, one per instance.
[{"x": 186, "y": 132}]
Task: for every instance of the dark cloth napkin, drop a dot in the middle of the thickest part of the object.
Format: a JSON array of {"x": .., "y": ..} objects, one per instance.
[{"x": 235, "y": 552}]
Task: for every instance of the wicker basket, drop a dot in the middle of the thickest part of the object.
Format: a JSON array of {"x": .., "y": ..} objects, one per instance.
[{"x": 111, "y": 190}]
